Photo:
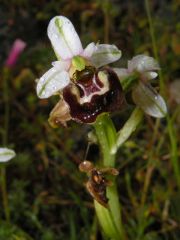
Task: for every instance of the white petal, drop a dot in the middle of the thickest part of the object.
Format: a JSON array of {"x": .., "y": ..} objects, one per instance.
[
  {"x": 64, "y": 38},
  {"x": 142, "y": 63},
  {"x": 51, "y": 82},
  {"x": 61, "y": 65},
  {"x": 6, "y": 154},
  {"x": 121, "y": 72},
  {"x": 105, "y": 54},
  {"x": 88, "y": 51},
  {"x": 152, "y": 103}
]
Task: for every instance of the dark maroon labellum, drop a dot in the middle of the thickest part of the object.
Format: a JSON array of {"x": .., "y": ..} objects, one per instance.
[{"x": 87, "y": 85}]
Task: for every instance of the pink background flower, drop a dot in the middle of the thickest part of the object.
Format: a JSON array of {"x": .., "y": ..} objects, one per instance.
[{"x": 17, "y": 47}]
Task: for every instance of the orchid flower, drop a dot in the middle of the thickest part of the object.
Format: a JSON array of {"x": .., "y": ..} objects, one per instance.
[
  {"x": 6, "y": 154},
  {"x": 143, "y": 94},
  {"x": 76, "y": 76}
]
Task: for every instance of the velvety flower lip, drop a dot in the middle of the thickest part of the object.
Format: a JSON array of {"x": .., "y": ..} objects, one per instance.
[
  {"x": 96, "y": 91},
  {"x": 101, "y": 101},
  {"x": 71, "y": 56},
  {"x": 6, "y": 154},
  {"x": 143, "y": 94}
]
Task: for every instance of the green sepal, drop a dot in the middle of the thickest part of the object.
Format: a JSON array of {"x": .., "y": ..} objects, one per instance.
[
  {"x": 128, "y": 83},
  {"x": 79, "y": 63}
]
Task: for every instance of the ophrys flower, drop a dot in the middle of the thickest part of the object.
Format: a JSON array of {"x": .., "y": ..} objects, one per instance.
[{"x": 76, "y": 76}]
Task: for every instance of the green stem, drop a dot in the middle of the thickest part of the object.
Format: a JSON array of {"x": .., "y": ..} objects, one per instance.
[
  {"x": 106, "y": 21},
  {"x": 4, "y": 193},
  {"x": 154, "y": 43},
  {"x": 110, "y": 219},
  {"x": 106, "y": 134},
  {"x": 174, "y": 149},
  {"x": 5, "y": 142},
  {"x": 171, "y": 130},
  {"x": 6, "y": 105},
  {"x": 110, "y": 141}
]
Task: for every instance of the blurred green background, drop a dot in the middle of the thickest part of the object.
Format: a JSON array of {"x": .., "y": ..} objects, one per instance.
[{"x": 47, "y": 198}]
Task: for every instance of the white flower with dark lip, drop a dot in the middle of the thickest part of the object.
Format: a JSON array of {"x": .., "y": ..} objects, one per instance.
[
  {"x": 6, "y": 154},
  {"x": 71, "y": 56},
  {"x": 143, "y": 94}
]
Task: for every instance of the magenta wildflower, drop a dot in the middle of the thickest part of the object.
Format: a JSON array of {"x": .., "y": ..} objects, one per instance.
[{"x": 17, "y": 47}]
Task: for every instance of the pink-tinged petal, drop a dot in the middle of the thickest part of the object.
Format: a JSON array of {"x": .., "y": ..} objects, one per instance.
[
  {"x": 6, "y": 154},
  {"x": 62, "y": 65},
  {"x": 151, "y": 102},
  {"x": 105, "y": 54},
  {"x": 143, "y": 63},
  {"x": 88, "y": 51},
  {"x": 121, "y": 72},
  {"x": 51, "y": 82},
  {"x": 64, "y": 38},
  {"x": 17, "y": 48}
]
